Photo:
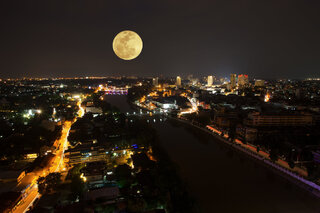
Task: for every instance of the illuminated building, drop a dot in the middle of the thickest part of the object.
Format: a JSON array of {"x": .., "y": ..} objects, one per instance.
[
  {"x": 178, "y": 81},
  {"x": 210, "y": 80},
  {"x": 233, "y": 80},
  {"x": 243, "y": 80},
  {"x": 166, "y": 103},
  {"x": 284, "y": 124},
  {"x": 224, "y": 115},
  {"x": 31, "y": 156},
  {"x": 93, "y": 173},
  {"x": 86, "y": 154},
  {"x": 259, "y": 83},
  {"x": 93, "y": 110},
  {"x": 279, "y": 119},
  {"x": 155, "y": 81}
]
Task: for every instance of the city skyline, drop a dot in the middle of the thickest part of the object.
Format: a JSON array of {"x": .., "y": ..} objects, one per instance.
[
  {"x": 91, "y": 136},
  {"x": 172, "y": 77}
]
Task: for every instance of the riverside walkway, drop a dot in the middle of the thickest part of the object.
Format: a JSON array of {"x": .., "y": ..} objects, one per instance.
[{"x": 281, "y": 170}]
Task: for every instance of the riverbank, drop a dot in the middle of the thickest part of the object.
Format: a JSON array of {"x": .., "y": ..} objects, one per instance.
[
  {"x": 291, "y": 176},
  {"x": 222, "y": 179}
]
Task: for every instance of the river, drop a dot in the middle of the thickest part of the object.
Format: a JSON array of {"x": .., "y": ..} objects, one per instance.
[{"x": 223, "y": 180}]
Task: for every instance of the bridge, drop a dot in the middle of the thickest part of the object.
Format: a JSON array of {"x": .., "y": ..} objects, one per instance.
[
  {"x": 116, "y": 91},
  {"x": 112, "y": 90}
]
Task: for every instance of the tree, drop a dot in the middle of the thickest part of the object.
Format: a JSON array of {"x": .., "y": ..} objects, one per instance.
[
  {"x": 136, "y": 205},
  {"x": 41, "y": 185},
  {"x": 77, "y": 187},
  {"x": 49, "y": 183},
  {"x": 123, "y": 175},
  {"x": 142, "y": 161}
]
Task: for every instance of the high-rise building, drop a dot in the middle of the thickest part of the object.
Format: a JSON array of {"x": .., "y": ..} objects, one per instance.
[
  {"x": 178, "y": 81},
  {"x": 259, "y": 83},
  {"x": 233, "y": 80},
  {"x": 210, "y": 80},
  {"x": 155, "y": 81},
  {"x": 243, "y": 80}
]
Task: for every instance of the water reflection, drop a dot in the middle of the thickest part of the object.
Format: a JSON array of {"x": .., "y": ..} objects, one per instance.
[{"x": 223, "y": 180}]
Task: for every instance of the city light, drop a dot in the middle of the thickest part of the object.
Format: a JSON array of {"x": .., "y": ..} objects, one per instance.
[
  {"x": 221, "y": 112},
  {"x": 267, "y": 97},
  {"x": 83, "y": 177}
]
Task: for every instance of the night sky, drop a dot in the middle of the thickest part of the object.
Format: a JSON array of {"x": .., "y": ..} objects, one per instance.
[{"x": 265, "y": 39}]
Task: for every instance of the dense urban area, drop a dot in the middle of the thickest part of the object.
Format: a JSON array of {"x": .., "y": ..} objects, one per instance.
[{"x": 65, "y": 148}]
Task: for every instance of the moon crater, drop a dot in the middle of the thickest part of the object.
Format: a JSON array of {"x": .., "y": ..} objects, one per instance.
[{"x": 127, "y": 45}]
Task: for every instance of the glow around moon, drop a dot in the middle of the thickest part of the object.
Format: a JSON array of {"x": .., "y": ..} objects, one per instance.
[{"x": 127, "y": 45}]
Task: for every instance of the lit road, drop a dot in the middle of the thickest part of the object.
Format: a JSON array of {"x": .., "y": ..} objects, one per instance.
[
  {"x": 192, "y": 109},
  {"x": 28, "y": 201},
  {"x": 56, "y": 165}
]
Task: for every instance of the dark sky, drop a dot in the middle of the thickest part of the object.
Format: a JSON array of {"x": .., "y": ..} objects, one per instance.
[{"x": 265, "y": 39}]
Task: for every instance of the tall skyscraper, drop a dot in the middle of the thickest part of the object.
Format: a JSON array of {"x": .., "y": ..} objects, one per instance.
[
  {"x": 243, "y": 80},
  {"x": 178, "y": 81},
  {"x": 210, "y": 80},
  {"x": 233, "y": 80},
  {"x": 155, "y": 81}
]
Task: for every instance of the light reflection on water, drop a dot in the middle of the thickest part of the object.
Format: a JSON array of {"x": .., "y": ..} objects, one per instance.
[{"x": 222, "y": 180}]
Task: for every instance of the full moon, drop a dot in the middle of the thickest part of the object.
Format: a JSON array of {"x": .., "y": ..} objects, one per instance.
[{"x": 127, "y": 45}]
